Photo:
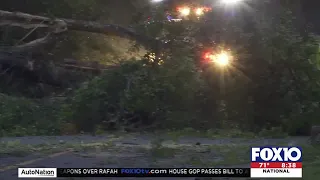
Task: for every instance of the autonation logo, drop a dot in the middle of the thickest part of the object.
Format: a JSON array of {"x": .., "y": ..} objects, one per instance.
[{"x": 37, "y": 172}]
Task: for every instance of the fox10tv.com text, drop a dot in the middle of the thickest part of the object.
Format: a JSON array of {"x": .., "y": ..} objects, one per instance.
[{"x": 266, "y": 162}]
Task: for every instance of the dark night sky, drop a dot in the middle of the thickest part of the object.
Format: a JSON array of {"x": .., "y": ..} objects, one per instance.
[{"x": 310, "y": 9}]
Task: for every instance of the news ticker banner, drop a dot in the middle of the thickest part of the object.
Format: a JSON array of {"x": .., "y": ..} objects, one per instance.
[
  {"x": 266, "y": 162},
  {"x": 132, "y": 172}
]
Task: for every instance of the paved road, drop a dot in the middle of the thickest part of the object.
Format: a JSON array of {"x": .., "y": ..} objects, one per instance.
[
  {"x": 142, "y": 139},
  {"x": 126, "y": 151}
]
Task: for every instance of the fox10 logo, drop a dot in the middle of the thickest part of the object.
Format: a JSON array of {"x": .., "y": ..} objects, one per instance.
[{"x": 276, "y": 162}]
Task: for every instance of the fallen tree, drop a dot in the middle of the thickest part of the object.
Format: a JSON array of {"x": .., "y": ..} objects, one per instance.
[
  {"x": 60, "y": 25},
  {"x": 15, "y": 56}
]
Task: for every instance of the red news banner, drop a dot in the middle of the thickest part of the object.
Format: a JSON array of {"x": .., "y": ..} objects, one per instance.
[
  {"x": 153, "y": 172},
  {"x": 276, "y": 165}
]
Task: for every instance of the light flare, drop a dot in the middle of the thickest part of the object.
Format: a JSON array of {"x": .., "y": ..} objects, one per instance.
[
  {"x": 156, "y": 1},
  {"x": 222, "y": 59},
  {"x": 231, "y": 1},
  {"x": 185, "y": 11},
  {"x": 199, "y": 11}
]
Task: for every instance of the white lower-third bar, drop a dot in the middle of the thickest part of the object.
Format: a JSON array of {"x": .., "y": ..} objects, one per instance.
[
  {"x": 37, "y": 172},
  {"x": 276, "y": 173}
]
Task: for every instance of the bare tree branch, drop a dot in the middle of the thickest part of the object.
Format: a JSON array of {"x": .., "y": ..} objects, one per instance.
[
  {"x": 14, "y": 55},
  {"x": 30, "y": 46},
  {"x": 29, "y": 21}
]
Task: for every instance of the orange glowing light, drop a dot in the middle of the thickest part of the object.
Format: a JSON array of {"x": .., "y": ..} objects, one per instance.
[
  {"x": 222, "y": 59},
  {"x": 199, "y": 11},
  {"x": 185, "y": 11}
]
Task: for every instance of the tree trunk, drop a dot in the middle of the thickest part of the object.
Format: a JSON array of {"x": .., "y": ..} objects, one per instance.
[
  {"x": 15, "y": 55},
  {"x": 57, "y": 26}
]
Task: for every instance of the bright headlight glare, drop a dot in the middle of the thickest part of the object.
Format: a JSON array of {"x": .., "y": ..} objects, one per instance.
[
  {"x": 231, "y": 1},
  {"x": 156, "y": 1},
  {"x": 199, "y": 11},
  {"x": 222, "y": 59},
  {"x": 185, "y": 11}
]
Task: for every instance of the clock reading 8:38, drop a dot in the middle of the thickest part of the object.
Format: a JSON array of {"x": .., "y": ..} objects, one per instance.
[{"x": 288, "y": 165}]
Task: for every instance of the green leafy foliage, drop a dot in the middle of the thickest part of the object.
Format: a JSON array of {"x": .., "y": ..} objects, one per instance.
[
  {"x": 163, "y": 95},
  {"x": 21, "y": 116}
]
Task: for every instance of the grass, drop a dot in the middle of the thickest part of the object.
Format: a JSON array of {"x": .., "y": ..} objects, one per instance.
[
  {"x": 230, "y": 133},
  {"x": 312, "y": 172},
  {"x": 220, "y": 155},
  {"x": 311, "y": 162},
  {"x": 15, "y": 148}
]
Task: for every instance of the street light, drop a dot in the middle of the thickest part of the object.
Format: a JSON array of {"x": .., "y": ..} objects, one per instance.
[
  {"x": 222, "y": 59},
  {"x": 230, "y": 2},
  {"x": 184, "y": 11},
  {"x": 156, "y": 1},
  {"x": 199, "y": 11}
]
